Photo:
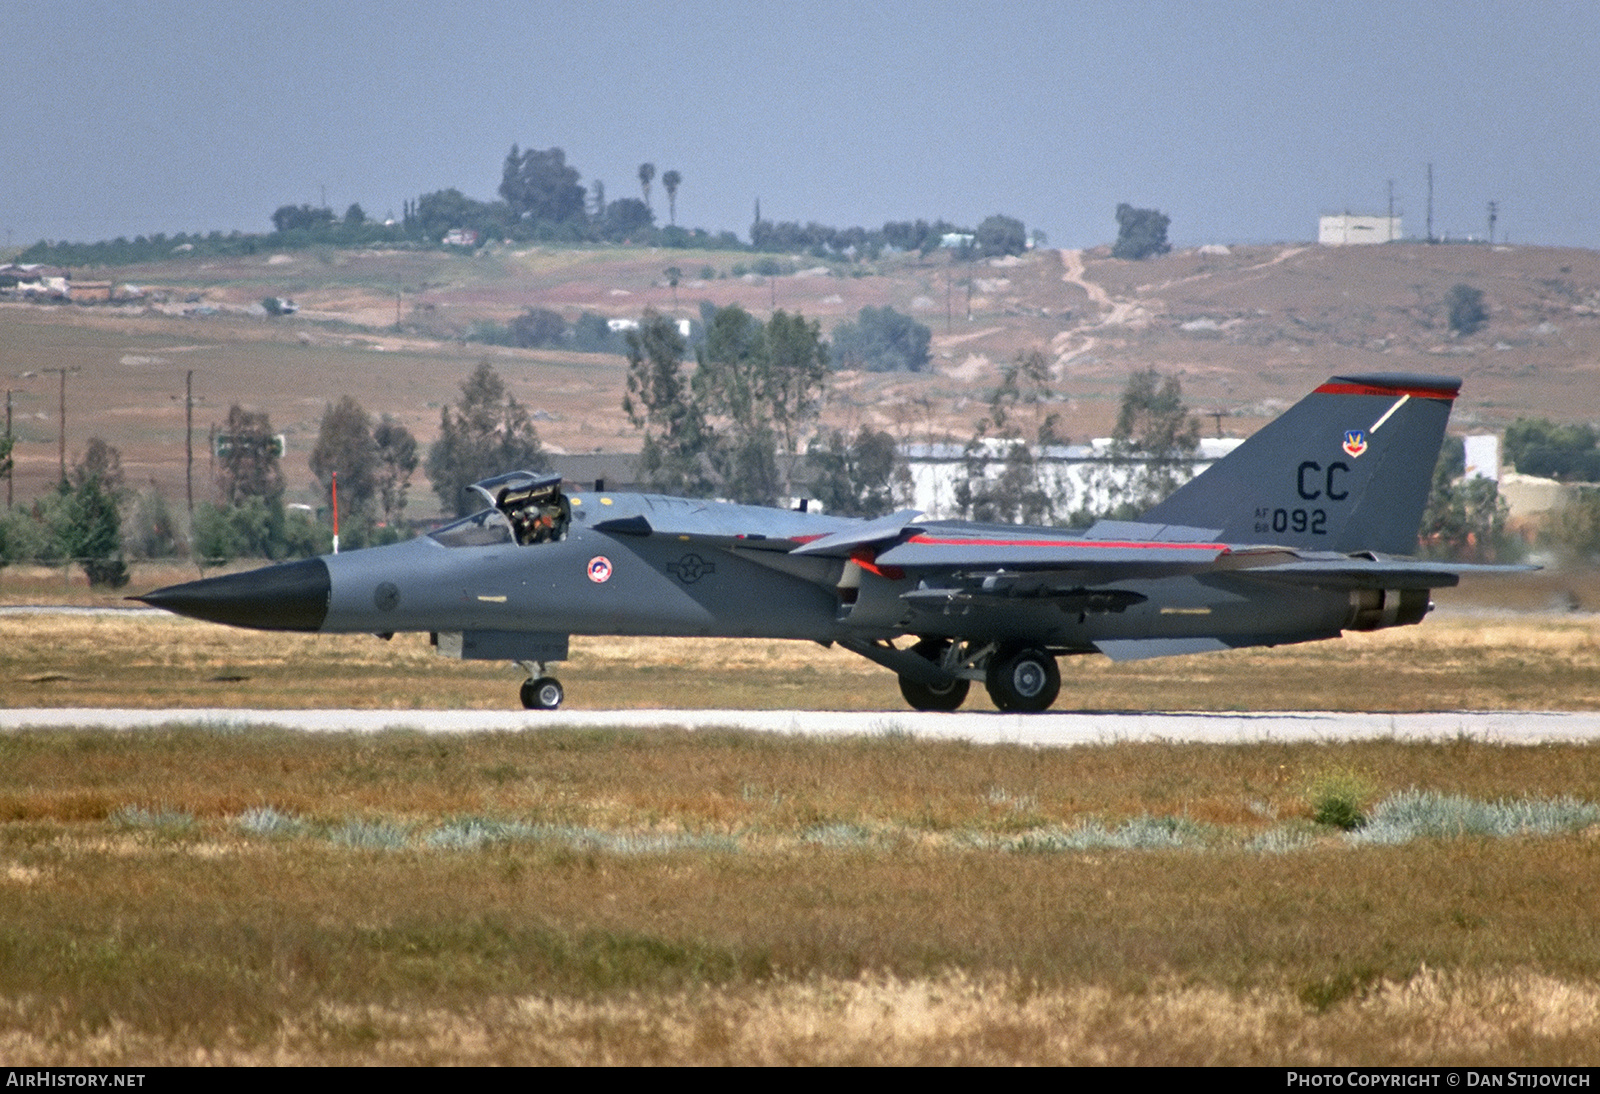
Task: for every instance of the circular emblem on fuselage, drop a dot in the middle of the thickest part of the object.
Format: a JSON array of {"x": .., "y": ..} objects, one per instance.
[
  {"x": 599, "y": 569},
  {"x": 386, "y": 597}
]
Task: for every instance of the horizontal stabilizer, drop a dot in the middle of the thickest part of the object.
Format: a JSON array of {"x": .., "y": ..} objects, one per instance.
[{"x": 1377, "y": 573}]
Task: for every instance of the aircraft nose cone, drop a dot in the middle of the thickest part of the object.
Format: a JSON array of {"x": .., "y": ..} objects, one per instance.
[{"x": 290, "y": 597}]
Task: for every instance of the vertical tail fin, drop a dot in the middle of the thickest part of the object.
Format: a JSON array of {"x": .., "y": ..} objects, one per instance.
[{"x": 1348, "y": 468}]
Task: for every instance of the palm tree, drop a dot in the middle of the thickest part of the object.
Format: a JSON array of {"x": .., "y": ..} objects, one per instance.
[
  {"x": 647, "y": 172},
  {"x": 670, "y": 180}
]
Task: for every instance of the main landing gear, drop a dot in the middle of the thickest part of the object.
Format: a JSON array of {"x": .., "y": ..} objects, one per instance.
[
  {"x": 1020, "y": 679},
  {"x": 540, "y": 692},
  {"x": 929, "y": 697}
]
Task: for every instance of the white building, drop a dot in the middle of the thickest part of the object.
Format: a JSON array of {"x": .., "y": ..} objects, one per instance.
[
  {"x": 1347, "y": 229},
  {"x": 1081, "y": 476}
]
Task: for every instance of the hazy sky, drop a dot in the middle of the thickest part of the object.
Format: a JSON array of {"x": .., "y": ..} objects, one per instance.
[{"x": 1242, "y": 121}]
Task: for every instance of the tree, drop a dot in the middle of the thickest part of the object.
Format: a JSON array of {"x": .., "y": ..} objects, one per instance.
[
  {"x": 671, "y": 180},
  {"x": 99, "y": 461},
  {"x": 256, "y": 528},
  {"x": 764, "y": 382},
  {"x": 1575, "y": 530},
  {"x": 93, "y": 534},
  {"x": 855, "y": 477},
  {"x": 1156, "y": 438},
  {"x": 287, "y": 218},
  {"x": 1001, "y": 235},
  {"x": 647, "y": 173},
  {"x": 355, "y": 214},
  {"x": 797, "y": 376},
  {"x": 675, "y": 455},
  {"x": 153, "y": 529},
  {"x": 625, "y": 217},
  {"x": 1021, "y": 421},
  {"x": 90, "y": 528},
  {"x": 1140, "y": 233},
  {"x": 443, "y": 211},
  {"x": 1465, "y": 519},
  {"x": 537, "y": 327},
  {"x": 486, "y": 434},
  {"x": 1538, "y": 446},
  {"x": 1465, "y": 305},
  {"x": 345, "y": 447},
  {"x": 397, "y": 459},
  {"x": 247, "y": 458},
  {"x": 882, "y": 340},
  {"x": 540, "y": 186}
]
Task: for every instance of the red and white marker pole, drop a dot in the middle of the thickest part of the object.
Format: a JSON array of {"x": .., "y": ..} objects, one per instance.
[{"x": 336, "y": 512}]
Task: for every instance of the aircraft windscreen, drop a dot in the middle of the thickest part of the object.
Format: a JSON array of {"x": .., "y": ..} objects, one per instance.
[{"x": 484, "y": 528}]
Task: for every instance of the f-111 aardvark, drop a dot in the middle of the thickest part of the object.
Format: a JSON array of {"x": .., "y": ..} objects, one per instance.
[{"x": 1294, "y": 536}]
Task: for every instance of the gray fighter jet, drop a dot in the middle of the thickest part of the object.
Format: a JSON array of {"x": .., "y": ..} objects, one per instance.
[{"x": 1296, "y": 535}]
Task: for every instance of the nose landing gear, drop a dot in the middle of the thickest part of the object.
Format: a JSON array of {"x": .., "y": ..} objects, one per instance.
[{"x": 540, "y": 692}]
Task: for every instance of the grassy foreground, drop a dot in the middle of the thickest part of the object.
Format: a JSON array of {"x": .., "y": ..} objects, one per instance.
[
  {"x": 187, "y": 895},
  {"x": 195, "y": 896}
]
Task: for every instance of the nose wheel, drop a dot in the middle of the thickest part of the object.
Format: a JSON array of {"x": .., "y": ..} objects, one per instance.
[{"x": 542, "y": 694}]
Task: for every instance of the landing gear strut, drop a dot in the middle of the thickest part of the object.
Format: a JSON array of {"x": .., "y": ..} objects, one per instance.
[{"x": 540, "y": 692}]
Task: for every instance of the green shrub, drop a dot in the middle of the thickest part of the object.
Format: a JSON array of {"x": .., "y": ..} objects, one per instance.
[{"x": 1339, "y": 800}]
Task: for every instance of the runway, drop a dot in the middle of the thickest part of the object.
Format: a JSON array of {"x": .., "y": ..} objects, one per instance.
[{"x": 1051, "y": 729}]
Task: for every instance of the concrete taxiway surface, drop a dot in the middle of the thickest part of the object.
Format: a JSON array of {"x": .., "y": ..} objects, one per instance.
[{"x": 1501, "y": 727}]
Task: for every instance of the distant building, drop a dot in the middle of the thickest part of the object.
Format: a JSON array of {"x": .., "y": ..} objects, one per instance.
[
  {"x": 89, "y": 292},
  {"x": 1347, "y": 229},
  {"x": 1085, "y": 476},
  {"x": 461, "y": 237},
  {"x": 31, "y": 280},
  {"x": 1482, "y": 455},
  {"x": 622, "y": 326}
]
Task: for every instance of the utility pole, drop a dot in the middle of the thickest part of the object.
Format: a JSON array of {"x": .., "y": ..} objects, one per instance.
[
  {"x": 188, "y": 438},
  {"x": 1494, "y": 212},
  {"x": 1430, "y": 203},
  {"x": 61, "y": 443},
  {"x": 11, "y": 456}
]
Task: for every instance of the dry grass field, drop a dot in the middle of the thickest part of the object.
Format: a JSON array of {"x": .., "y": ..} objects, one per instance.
[
  {"x": 196, "y": 896},
  {"x": 188, "y": 896}
]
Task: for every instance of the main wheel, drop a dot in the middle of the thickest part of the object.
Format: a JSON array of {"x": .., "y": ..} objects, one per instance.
[
  {"x": 1023, "y": 680},
  {"x": 926, "y": 697},
  {"x": 542, "y": 694}
]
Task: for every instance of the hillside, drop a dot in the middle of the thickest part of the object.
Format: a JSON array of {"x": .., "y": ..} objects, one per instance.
[{"x": 1248, "y": 330}]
